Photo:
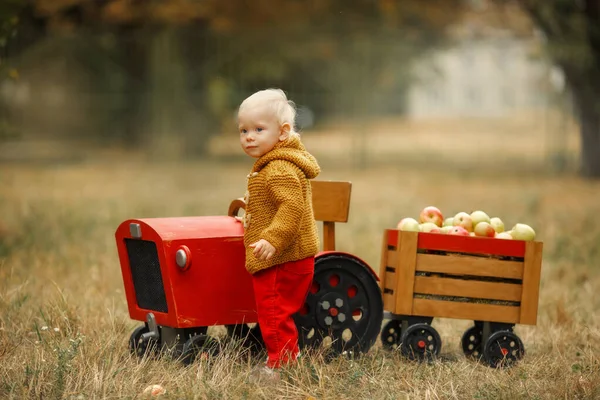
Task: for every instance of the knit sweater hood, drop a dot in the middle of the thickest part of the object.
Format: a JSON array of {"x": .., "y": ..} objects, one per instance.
[{"x": 291, "y": 150}]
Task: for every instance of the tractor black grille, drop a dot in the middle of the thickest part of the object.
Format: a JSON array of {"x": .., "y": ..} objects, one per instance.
[{"x": 147, "y": 279}]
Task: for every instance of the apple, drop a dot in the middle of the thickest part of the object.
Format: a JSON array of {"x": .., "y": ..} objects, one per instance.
[
  {"x": 479, "y": 216},
  {"x": 448, "y": 221},
  {"x": 458, "y": 230},
  {"x": 408, "y": 224},
  {"x": 497, "y": 224},
  {"x": 503, "y": 235},
  {"x": 463, "y": 219},
  {"x": 437, "y": 229},
  {"x": 522, "y": 232},
  {"x": 154, "y": 390},
  {"x": 446, "y": 229},
  {"x": 472, "y": 234},
  {"x": 431, "y": 214},
  {"x": 427, "y": 226},
  {"x": 484, "y": 229}
]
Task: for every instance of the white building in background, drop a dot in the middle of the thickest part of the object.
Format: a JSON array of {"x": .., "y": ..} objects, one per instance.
[{"x": 480, "y": 77}]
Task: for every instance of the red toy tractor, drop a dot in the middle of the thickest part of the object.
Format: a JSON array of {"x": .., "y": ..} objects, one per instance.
[{"x": 182, "y": 275}]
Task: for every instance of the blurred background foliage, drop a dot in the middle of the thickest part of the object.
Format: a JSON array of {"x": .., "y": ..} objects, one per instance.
[{"x": 166, "y": 76}]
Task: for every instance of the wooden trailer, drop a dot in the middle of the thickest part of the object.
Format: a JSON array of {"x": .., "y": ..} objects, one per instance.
[{"x": 494, "y": 282}]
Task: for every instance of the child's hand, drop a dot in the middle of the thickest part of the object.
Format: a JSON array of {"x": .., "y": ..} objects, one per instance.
[{"x": 263, "y": 250}]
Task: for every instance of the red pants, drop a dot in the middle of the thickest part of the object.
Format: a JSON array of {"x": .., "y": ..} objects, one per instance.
[{"x": 280, "y": 292}]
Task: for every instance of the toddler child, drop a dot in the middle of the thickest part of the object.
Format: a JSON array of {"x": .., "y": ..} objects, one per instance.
[{"x": 280, "y": 234}]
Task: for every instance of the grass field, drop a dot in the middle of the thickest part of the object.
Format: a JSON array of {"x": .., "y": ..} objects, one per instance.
[{"x": 64, "y": 323}]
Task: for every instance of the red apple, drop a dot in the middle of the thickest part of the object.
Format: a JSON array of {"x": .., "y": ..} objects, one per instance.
[
  {"x": 431, "y": 214},
  {"x": 484, "y": 229},
  {"x": 408, "y": 224},
  {"x": 436, "y": 230},
  {"x": 463, "y": 219},
  {"x": 458, "y": 230}
]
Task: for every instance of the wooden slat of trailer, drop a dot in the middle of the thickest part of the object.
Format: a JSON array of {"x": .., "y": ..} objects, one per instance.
[
  {"x": 405, "y": 271},
  {"x": 467, "y": 288},
  {"x": 461, "y": 310},
  {"x": 389, "y": 302},
  {"x": 383, "y": 260},
  {"x": 390, "y": 281},
  {"x": 392, "y": 259},
  {"x": 531, "y": 283},
  {"x": 475, "y": 266}
]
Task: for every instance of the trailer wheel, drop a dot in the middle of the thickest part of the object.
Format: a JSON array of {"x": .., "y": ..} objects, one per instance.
[
  {"x": 391, "y": 334},
  {"x": 471, "y": 342},
  {"x": 503, "y": 349},
  {"x": 141, "y": 347},
  {"x": 200, "y": 346},
  {"x": 344, "y": 306},
  {"x": 421, "y": 342}
]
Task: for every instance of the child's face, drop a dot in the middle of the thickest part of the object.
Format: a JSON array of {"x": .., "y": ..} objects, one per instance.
[{"x": 260, "y": 131}]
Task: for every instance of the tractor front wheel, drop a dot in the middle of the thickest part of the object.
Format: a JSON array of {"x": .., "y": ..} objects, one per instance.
[{"x": 140, "y": 346}]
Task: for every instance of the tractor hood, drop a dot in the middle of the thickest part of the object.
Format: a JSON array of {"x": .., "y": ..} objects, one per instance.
[{"x": 175, "y": 228}]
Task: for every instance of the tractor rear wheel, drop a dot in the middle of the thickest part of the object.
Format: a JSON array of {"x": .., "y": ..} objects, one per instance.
[{"x": 343, "y": 310}]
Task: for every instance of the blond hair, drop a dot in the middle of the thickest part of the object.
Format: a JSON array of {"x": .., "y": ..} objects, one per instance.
[{"x": 284, "y": 109}]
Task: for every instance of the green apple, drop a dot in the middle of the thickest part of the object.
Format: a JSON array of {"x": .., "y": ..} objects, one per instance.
[
  {"x": 446, "y": 229},
  {"x": 497, "y": 224},
  {"x": 484, "y": 229},
  {"x": 503, "y": 235},
  {"x": 427, "y": 226},
  {"x": 408, "y": 224},
  {"x": 523, "y": 232},
  {"x": 479, "y": 216},
  {"x": 448, "y": 221}
]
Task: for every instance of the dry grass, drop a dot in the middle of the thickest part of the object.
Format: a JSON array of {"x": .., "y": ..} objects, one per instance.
[{"x": 59, "y": 269}]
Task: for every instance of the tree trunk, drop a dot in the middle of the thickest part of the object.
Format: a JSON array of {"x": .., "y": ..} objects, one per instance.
[{"x": 590, "y": 142}]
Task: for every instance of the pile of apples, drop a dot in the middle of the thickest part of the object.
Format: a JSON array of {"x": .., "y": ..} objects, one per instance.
[{"x": 477, "y": 223}]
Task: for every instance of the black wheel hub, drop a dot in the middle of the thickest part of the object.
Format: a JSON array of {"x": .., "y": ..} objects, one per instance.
[
  {"x": 343, "y": 304},
  {"x": 471, "y": 342},
  {"x": 503, "y": 349},
  {"x": 391, "y": 334},
  {"x": 332, "y": 311},
  {"x": 420, "y": 342},
  {"x": 141, "y": 347}
]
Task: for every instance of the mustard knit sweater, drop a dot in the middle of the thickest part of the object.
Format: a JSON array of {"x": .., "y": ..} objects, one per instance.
[{"x": 279, "y": 205}]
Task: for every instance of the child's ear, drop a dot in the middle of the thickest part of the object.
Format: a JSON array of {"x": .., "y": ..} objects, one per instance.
[{"x": 284, "y": 132}]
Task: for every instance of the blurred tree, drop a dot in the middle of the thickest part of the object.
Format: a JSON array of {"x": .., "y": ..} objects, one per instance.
[
  {"x": 350, "y": 58},
  {"x": 9, "y": 11},
  {"x": 572, "y": 33}
]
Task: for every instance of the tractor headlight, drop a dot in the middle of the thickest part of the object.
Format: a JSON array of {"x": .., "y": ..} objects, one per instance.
[{"x": 183, "y": 257}]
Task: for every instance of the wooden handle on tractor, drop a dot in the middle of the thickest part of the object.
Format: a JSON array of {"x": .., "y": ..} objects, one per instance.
[{"x": 235, "y": 207}]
